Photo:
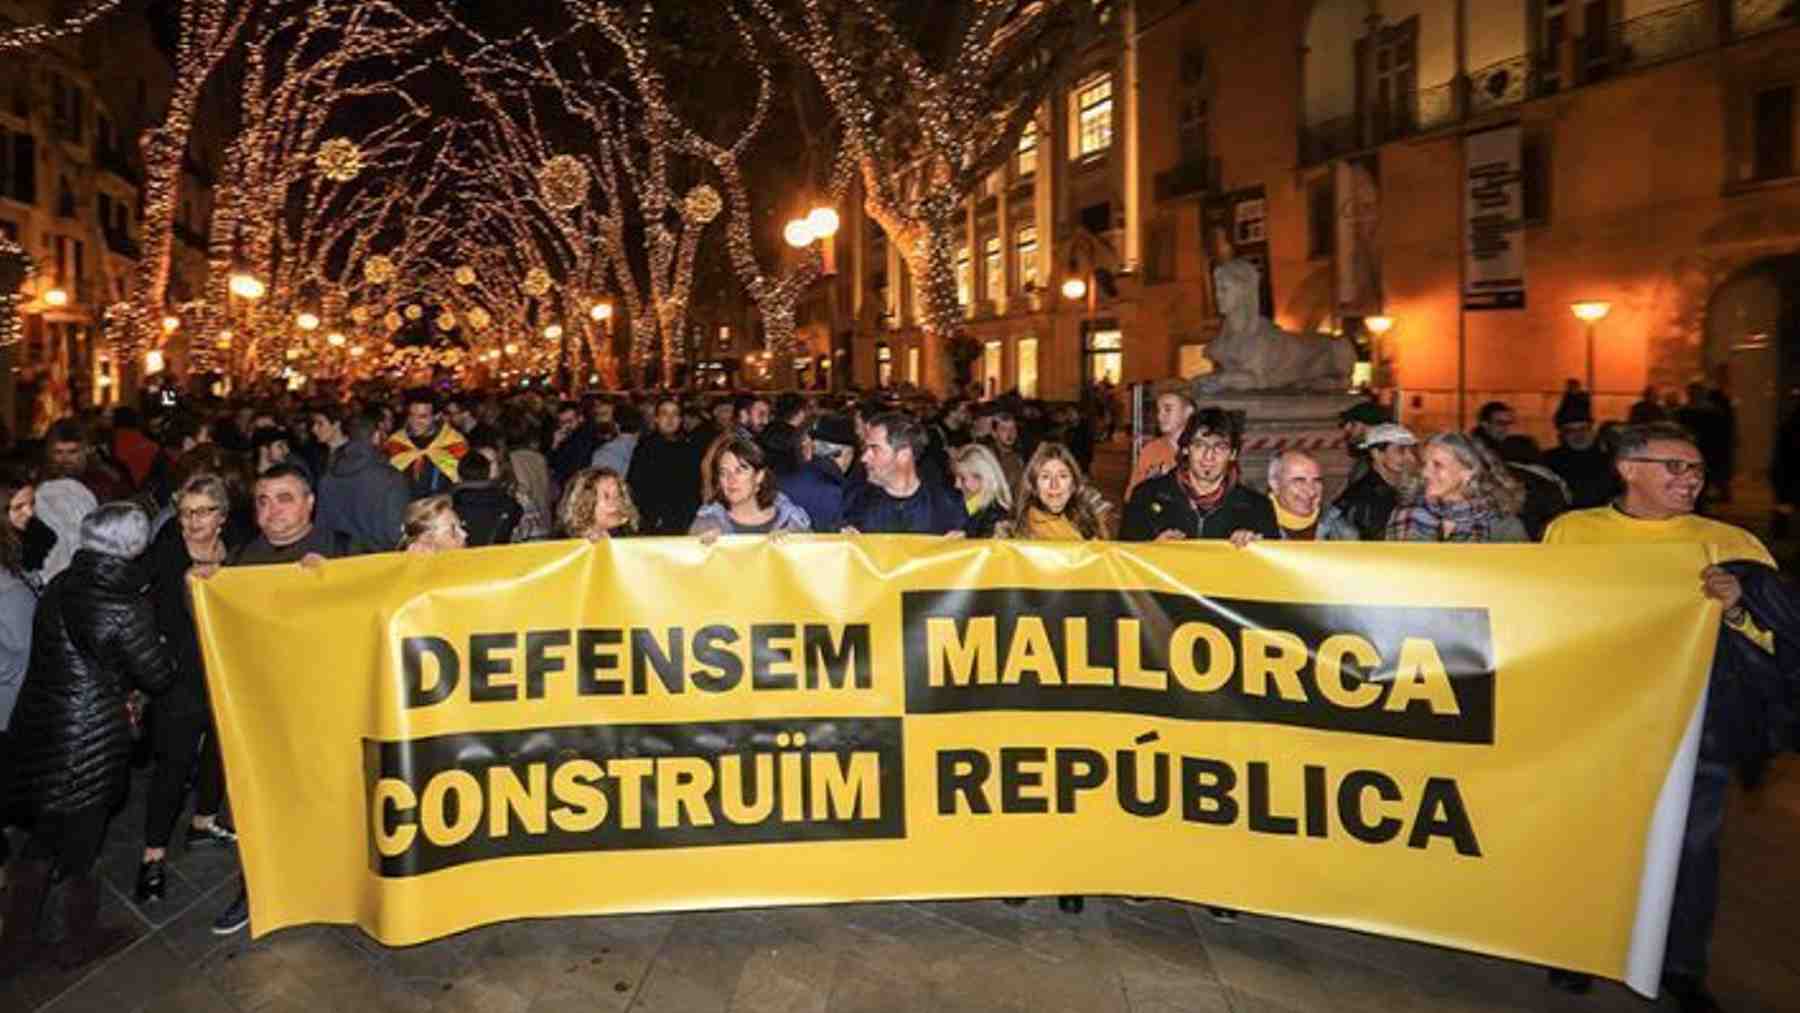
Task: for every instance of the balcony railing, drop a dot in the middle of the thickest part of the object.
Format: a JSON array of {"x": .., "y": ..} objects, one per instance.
[{"x": 1660, "y": 37}]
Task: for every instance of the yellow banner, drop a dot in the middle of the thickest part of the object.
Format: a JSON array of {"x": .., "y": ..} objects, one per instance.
[{"x": 1462, "y": 745}]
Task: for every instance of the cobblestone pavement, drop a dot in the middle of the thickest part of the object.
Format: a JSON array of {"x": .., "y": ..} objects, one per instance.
[
  {"x": 976, "y": 955},
  {"x": 957, "y": 956}
]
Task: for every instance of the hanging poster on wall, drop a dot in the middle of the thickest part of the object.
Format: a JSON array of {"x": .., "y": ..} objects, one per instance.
[{"x": 1494, "y": 212}]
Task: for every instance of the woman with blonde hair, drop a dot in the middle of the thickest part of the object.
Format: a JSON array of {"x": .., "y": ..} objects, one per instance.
[
  {"x": 432, "y": 526},
  {"x": 596, "y": 505},
  {"x": 1056, "y": 502},
  {"x": 983, "y": 485},
  {"x": 1466, "y": 494}
]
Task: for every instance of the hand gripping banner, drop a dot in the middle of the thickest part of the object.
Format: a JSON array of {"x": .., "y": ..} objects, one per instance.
[{"x": 1487, "y": 747}]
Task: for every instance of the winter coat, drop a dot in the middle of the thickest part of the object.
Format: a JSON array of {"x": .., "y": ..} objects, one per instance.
[
  {"x": 818, "y": 488},
  {"x": 94, "y": 639},
  {"x": 1366, "y": 504},
  {"x": 931, "y": 510},
  {"x": 714, "y": 516},
  {"x": 17, "y": 604},
  {"x": 665, "y": 484},
  {"x": 982, "y": 523},
  {"x": 488, "y": 512},
  {"x": 1751, "y": 705},
  {"x": 167, "y": 565},
  {"x": 1588, "y": 473},
  {"x": 363, "y": 496},
  {"x": 1161, "y": 504}
]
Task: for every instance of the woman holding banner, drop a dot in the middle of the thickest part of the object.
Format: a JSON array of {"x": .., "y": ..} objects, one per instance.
[
  {"x": 984, "y": 490},
  {"x": 1056, "y": 504},
  {"x": 432, "y": 526},
  {"x": 598, "y": 505},
  {"x": 1466, "y": 495},
  {"x": 745, "y": 500}
]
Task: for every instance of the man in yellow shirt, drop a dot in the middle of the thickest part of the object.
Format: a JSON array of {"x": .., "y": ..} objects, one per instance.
[{"x": 1663, "y": 474}]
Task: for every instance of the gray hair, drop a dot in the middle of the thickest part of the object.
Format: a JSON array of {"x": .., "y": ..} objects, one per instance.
[
  {"x": 826, "y": 448},
  {"x": 1278, "y": 465},
  {"x": 118, "y": 529},
  {"x": 1632, "y": 441}
]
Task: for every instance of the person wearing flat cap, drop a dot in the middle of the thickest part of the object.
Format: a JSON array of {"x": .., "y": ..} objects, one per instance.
[{"x": 1367, "y": 503}]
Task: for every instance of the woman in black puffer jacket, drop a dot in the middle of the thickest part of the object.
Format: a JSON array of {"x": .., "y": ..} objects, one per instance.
[{"x": 94, "y": 639}]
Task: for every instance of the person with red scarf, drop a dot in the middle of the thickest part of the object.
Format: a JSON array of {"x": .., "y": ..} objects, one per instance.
[{"x": 1204, "y": 496}]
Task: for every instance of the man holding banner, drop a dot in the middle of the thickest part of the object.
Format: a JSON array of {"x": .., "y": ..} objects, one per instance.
[{"x": 1664, "y": 473}]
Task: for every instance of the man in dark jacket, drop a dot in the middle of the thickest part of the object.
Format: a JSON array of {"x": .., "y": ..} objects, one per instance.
[
  {"x": 94, "y": 639},
  {"x": 1577, "y": 458},
  {"x": 428, "y": 451},
  {"x": 572, "y": 443},
  {"x": 897, "y": 499},
  {"x": 1202, "y": 497},
  {"x": 819, "y": 484},
  {"x": 665, "y": 474},
  {"x": 1367, "y": 503},
  {"x": 361, "y": 494},
  {"x": 489, "y": 512}
]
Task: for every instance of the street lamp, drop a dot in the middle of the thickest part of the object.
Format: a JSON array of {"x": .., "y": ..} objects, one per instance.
[
  {"x": 1377, "y": 326},
  {"x": 334, "y": 339},
  {"x": 1590, "y": 312},
  {"x": 153, "y": 361},
  {"x": 56, "y": 297},
  {"x": 307, "y": 321},
  {"x": 799, "y": 234},
  {"x": 823, "y": 222},
  {"x": 1075, "y": 288},
  {"x": 602, "y": 312},
  {"x": 554, "y": 332},
  {"x": 171, "y": 324}
]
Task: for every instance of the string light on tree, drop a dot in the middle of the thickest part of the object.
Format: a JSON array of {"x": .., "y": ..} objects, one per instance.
[
  {"x": 446, "y": 321},
  {"x": 479, "y": 319},
  {"x": 703, "y": 204},
  {"x": 393, "y": 320},
  {"x": 339, "y": 160},
  {"x": 359, "y": 315},
  {"x": 16, "y": 268},
  {"x": 379, "y": 270},
  {"x": 414, "y": 311},
  {"x": 537, "y": 282},
  {"x": 464, "y": 276},
  {"x": 563, "y": 182}
]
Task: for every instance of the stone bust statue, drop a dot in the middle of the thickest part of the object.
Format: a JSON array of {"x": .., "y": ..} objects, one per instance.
[{"x": 1251, "y": 353}]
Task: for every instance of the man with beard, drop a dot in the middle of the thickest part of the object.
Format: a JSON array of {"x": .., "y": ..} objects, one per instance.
[
  {"x": 898, "y": 498},
  {"x": 1203, "y": 497},
  {"x": 428, "y": 450},
  {"x": 665, "y": 473},
  {"x": 1663, "y": 475},
  {"x": 1577, "y": 457}
]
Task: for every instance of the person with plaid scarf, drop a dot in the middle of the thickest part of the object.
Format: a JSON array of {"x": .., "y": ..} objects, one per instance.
[
  {"x": 1204, "y": 496},
  {"x": 1467, "y": 495}
]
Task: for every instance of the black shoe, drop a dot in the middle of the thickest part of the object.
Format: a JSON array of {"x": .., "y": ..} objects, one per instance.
[
  {"x": 234, "y": 918},
  {"x": 1572, "y": 982},
  {"x": 1690, "y": 994},
  {"x": 1071, "y": 904},
  {"x": 216, "y": 834},
  {"x": 1222, "y": 915},
  {"x": 153, "y": 876}
]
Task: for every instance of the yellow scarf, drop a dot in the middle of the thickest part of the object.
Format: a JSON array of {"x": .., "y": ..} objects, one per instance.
[
  {"x": 1047, "y": 526},
  {"x": 1293, "y": 521}
]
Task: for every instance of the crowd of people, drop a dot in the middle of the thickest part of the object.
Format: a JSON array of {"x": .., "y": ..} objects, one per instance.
[{"x": 109, "y": 517}]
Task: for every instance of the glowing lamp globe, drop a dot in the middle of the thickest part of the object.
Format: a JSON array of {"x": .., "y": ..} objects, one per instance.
[
  {"x": 307, "y": 321},
  {"x": 334, "y": 339},
  {"x": 1074, "y": 288},
  {"x": 799, "y": 234},
  {"x": 170, "y": 324},
  {"x": 1591, "y": 311},
  {"x": 56, "y": 297},
  {"x": 1378, "y": 326},
  {"x": 153, "y": 361},
  {"x": 553, "y": 332},
  {"x": 601, "y": 312},
  {"x": 823, "y": 222}
]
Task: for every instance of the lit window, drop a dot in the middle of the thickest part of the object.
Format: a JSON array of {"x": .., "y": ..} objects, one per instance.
[
  {"x": 965, "y": 285},
  {"x": 1093, "y": 102},
  {"x": 996, "y": 274},
  {"x": 1025, "y": 243},
  {"x": 1028, "y": 147}
]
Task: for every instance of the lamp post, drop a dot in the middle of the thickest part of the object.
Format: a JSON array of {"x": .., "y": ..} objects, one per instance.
[
  {"x": 819, "y": 225},
  {"x": 602, "y": 314},
  {"x": 1377, "y": 326},
  {"x": 1590, "y": 312}
]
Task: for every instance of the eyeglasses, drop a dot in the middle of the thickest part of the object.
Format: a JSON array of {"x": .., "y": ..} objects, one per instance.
[
  {"x": 1208, "y": 448},
  {"x": 198, "y": 513},
  {"x": 1676, "y": 466}
]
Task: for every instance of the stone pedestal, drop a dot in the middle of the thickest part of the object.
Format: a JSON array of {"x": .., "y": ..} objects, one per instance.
[{"x": 1276, "y": 422}]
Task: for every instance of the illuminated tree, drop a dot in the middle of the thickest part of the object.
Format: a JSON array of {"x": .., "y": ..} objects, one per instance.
[
  {"x": 72, "y": 24},
  {"x": 930, "y": 99}
]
